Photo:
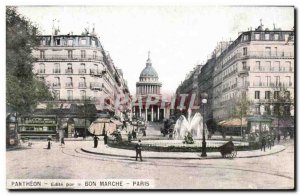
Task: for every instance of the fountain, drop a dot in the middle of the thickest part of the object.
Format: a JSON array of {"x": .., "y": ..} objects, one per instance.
[
  {"x": 187, "y": 138},
  {"x": 193, "y": 125}
]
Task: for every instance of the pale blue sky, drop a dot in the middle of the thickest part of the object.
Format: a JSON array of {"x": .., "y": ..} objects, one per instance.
[{"x": 178, "y": 37}]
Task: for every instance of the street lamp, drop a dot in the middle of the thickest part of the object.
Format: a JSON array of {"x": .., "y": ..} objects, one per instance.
[{"x": 204, "y": 101}]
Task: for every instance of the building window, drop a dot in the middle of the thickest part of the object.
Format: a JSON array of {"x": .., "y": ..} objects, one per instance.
[
  {"x": 286, "y": 37},
  {"x": 245, "y": 51},
  {"x": 56, "y": 68},
  {"x": 82, "y": 69},
  {"x": 94, "y": 54},
  {"x": 287, "y": 95},
  {"x": 244, "y": 65},
  {"x": 267, "y": 94},
  {"x": 69, "y": 68},
  {"x": 277, "y": 66},
  {"x": 56, "y": 83},
  {"x": 257, "y": 81},
  {"x": 257, "y": 94},
  {"x": 42, "y": 68},
  {"x": 42, "y": 54},
  {"x": 257, "y": 65},
  {"x": 268, "y": 66},
  {"x": 268, "y": 51},
  {"x": 83, "y": 94},
  {"x": 277, "y": 80},
  {"x": 267, "y": 36},
  {"x": 70, "y": 54},
  {"x": 70, "y": 42},
  {"x": 93, "y": 43},
  {"x": 268, "y": 80},
  {"x": 288, "y": 66},
  {"x": 245, "y": 37},
  {"x": 57, "y": 41},
  {"x": 83, "y": 42},
  {"x": 70, "y": 95},
  {"x": 257, "y": 36},
  {"x": 288, "y": 81},
  {"x": 276, "y": 94},
  {"x": 69, "y": 83},
  {"x": 83, "y": 54},
  {"x": 276, "y": 50},
  {"x": 82, "y": 83},
  {"x": 276, "y": 37}
]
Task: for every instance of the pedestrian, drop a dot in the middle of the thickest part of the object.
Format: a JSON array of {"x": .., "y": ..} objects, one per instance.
[
  {"x": 129, "y": 137},
  {"x": 138, "y": 150},
  {"x": 278, "y": 137},
  {"x": 263, "y": 144},
  {"x": 49, "y": 142},
  {"x": 270, "y": 142},
  {"x": 134, "y": 134},
  {"x": 105, "y": 138},
  {"x": 95, "y": 141},
  {"x": 62, "y": 141}
]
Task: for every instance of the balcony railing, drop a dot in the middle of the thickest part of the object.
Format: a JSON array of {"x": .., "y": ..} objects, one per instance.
[
  {"x": 266, "y": 54},
  {"x": 41, "y": 71},
  {"x": 68, "y": 57},
  {"x": 69, "y": 71},
  {"x": 69, "y": 85},
  {"x": 259, "y": 54},
  {"x": 95, "y": 72},
  {"x": 96, "y": 86},
  {"x": 82, "y": 71},
  {"x": 82, "y": 85},
  {"x": 56, "y": 85},
  {"x": 243, "y": 70},
  {"x": 273, "y": 69},
  {"x": 56, "y": 71}
]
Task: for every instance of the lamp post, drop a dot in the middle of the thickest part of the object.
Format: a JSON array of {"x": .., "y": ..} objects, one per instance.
[{"x": 204, "y": 101}]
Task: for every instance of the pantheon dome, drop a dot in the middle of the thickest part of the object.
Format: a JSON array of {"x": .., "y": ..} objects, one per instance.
[{"x": 149, "y": 81}]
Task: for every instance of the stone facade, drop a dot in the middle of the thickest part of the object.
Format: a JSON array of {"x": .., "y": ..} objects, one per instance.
[
  {"x": 76, "y": 67},
  {"x": 256, "y": 65}
]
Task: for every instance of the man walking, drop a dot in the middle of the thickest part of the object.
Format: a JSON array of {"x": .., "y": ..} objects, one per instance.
[
  {"x": 49, "y": 142},
  {"x": 263, "y": 144},
  {"x": 138, "y": 150},
  {"x": 96, "y": 141}
]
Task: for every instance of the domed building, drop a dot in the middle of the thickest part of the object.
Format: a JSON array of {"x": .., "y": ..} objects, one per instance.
[
  {"x": 149, "y": 83},
  {"x": 149, "y": 104}
]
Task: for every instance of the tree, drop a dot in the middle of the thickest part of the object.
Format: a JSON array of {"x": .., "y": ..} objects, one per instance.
[
  {"x": 281, "y": 100},
  {"x": 241, "y": 108},
  {"x": 23, "y": 89}
]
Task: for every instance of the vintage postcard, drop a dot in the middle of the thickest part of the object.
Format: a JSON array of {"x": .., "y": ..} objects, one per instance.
[{"x": 150, "y": 97}]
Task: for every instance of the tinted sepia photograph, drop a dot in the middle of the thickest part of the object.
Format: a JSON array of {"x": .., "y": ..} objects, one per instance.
[{"x": 150, "y": 97}]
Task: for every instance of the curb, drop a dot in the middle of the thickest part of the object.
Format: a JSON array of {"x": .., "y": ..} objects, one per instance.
[{"x": 184, "y": 158}]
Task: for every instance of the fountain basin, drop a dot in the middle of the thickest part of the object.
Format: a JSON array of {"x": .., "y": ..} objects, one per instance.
[
  {"x": 179, "y": 146},
  {"x": 197, "y": 143}
]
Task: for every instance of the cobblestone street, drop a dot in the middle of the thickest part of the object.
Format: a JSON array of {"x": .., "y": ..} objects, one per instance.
[{"x": 272, "y": 171}]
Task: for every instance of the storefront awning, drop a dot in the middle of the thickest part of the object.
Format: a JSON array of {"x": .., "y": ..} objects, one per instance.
[
  {"x": 234, "y": 122},
  {"x": 97, "y": 126}
]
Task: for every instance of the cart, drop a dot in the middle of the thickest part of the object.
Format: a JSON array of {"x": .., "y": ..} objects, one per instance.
[{"x": 227, "y": 150}]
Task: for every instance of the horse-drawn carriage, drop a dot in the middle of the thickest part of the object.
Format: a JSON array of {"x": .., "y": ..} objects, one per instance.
[{"x": 228, "y": 150}]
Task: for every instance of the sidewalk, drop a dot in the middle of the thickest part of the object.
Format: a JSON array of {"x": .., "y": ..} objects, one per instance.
[{"x": 109, "y": 151}]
